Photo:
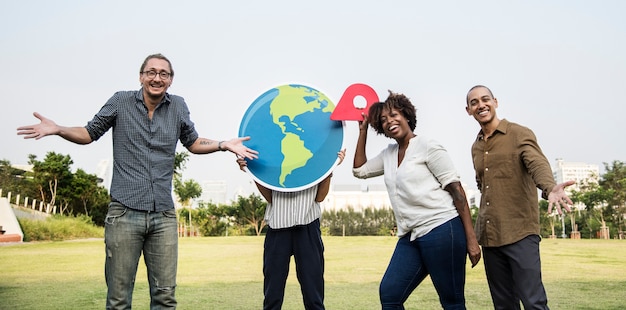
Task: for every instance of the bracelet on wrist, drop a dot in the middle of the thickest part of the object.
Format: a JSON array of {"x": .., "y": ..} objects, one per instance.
[{"x": 219, "y": 146}]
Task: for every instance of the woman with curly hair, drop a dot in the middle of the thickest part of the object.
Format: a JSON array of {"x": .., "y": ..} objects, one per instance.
[{"x": 431, "y": 210}]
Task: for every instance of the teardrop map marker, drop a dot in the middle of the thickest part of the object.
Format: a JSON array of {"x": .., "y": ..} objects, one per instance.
[{"x": 346, "y": 109}]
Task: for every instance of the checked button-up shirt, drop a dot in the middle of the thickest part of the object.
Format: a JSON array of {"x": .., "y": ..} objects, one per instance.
[{"x": 143, "y": 149}]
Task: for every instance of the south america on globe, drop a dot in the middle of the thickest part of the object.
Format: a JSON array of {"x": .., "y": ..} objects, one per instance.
[{"x": 297, "y": 141}]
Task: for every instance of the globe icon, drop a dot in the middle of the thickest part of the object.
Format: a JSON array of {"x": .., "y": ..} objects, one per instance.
[{"x": 297, "y": 141}]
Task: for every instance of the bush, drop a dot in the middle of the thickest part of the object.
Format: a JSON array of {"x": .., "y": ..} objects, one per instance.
[
  {"x": 58, "y": 228},
  {"x": 368, "y": 222}
]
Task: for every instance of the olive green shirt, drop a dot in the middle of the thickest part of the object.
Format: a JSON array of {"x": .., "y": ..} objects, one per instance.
[{"x": 509, "y": 166}]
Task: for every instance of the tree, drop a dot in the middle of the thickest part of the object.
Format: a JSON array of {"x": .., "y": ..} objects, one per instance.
[
  {"x": 595, "y": 198},
  {"x": 186, "y": 191},
  {"x": 213, "y": 220},
  {"x": 9, "y": 177},
  {"x": 250, "y": 210},
  {"x": 614, "y": 182},
  {"x": 87, "y": 192},
  {"x": 474, "y": 213},
  {"x": 99, "y": 205},
  {"x": 348, "y": 222},
  {"x": 83, "y": 185},
  {"x": 180, "y": 161},
  {"x": 546, "y": 221},
  {"x": 51, "y": 174}
]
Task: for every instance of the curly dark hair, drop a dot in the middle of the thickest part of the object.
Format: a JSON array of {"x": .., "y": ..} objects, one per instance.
[{"x": 395, "y": 101}]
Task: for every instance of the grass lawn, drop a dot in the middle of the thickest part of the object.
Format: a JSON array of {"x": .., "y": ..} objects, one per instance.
[{"x": 226, "y": 273}]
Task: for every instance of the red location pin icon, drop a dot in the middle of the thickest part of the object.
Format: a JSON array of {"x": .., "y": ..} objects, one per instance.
[{"x": 346, "y": 110}]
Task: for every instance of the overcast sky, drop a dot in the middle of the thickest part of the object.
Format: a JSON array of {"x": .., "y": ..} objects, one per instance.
[{"x": 558, "y": 67}]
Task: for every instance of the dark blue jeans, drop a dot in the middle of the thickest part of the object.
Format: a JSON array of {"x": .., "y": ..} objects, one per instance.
[
  {"x": 441, "y": 254},
  {"x": 305, "y": 244},
  {"x": 129, "y": 233}
]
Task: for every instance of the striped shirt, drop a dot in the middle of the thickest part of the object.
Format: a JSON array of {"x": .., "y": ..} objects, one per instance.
[
  {"x": 290, "y": 209},
  {"x": 143, "y": 148}
]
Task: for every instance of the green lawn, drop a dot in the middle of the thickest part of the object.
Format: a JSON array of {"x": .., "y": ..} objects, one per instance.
[{"x": 225, "y": 273}]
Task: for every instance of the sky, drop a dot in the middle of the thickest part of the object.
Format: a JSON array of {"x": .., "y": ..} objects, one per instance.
[{"x": 557, "y": 67}]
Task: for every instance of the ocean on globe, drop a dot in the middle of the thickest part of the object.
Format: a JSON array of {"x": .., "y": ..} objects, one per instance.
[{"x": 297, "y": 141}]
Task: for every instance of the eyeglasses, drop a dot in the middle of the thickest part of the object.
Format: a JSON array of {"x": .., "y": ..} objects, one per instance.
[{"x": 152, "y": 74}]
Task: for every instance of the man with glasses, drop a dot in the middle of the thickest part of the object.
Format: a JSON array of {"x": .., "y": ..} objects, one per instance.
[{"x": 147, "y": 124}]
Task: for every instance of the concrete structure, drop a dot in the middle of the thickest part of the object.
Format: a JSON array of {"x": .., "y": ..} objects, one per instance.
[{"x": 10, "y": 230}]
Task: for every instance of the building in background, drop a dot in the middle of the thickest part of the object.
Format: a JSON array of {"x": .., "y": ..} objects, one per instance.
[
  {"x": 27, "y": 168},
  {"x": 473, "y": 196},
  {"x": 214, "y": 192},
  {"x": 582, "y": 173},
  {"x": 359, "y": 197}
]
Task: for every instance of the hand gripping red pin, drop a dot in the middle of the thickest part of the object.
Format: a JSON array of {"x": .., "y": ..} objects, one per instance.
[{"x": 346, "y": 110}]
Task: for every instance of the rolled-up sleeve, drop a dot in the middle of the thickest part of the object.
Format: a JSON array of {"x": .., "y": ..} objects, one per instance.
[
  {"x": 104, "y": 119},
  {"x": 372, "y": 168},
  {"x": 441, "y": 165},
  {"x": 188, "y": 133}
]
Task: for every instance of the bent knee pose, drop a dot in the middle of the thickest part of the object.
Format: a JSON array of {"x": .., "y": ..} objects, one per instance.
[{"x": 432, "y": 215}]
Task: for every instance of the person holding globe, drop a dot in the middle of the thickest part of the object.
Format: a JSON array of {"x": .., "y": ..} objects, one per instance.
[
  {"x": 294, "y": 230},
  {"x": 433, "y": 219},
  {"x": 147, "y": 124}
]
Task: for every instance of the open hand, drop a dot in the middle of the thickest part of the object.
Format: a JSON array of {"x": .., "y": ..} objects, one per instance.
[
  {"x": 558, "y": 198},
  {"x": 236, "y": 146},
  {"x": 37, "y": 131}
]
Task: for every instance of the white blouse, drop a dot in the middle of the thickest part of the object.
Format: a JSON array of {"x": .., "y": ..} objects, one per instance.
[{"x": 416, "y": 187}]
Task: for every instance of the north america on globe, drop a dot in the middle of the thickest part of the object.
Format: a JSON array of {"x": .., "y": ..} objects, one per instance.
[{"x": 297, "y": 141}]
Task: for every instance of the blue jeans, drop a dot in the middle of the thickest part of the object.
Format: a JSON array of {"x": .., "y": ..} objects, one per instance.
[
  {"x": 441, "y": 254},
  {"x": 129, "y": 233}
]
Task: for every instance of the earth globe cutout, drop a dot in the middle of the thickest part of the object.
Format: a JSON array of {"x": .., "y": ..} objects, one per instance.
[{"x": 290, "y": 127}]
